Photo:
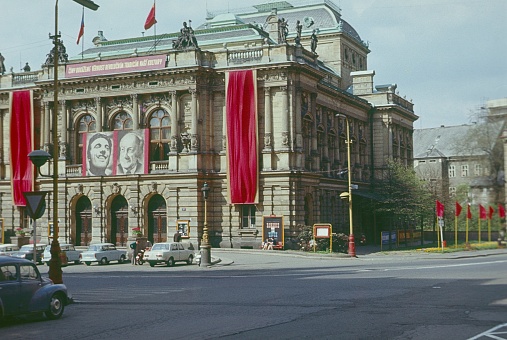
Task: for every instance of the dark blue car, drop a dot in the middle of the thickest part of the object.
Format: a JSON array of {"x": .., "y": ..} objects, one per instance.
[{"x": 23, "y": 290}]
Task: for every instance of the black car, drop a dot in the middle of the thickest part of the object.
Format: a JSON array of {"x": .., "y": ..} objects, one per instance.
[
  {"x": 23, "y": 290},
  {"x": 26, "y": 252}
]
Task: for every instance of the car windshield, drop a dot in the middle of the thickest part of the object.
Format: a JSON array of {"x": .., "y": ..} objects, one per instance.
[
  {"x": 27, "y": 247},
  {"x": 94, "y": 248},
  {"x": 160, "y": 246}
]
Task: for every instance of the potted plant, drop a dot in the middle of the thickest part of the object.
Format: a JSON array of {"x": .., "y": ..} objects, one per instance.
[
  {"x": 137, "y": 232},
  {"x": 20, "y": 232}
]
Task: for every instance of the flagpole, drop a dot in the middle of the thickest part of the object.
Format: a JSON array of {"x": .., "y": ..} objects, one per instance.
[
  {"x": 479, "y": 235},
  {"x": 155, "y": 29},
  {"x": 82, "y": 41},
  {"x": 466, "y": 232},
  {"x": 489, "y": 229},
  {"x": 455, "y": 231}
]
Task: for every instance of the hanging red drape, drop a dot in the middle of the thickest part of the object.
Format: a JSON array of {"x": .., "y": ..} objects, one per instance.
[
  {"x": 242, "y": 155},
  {"x": 21, "y": 142}
]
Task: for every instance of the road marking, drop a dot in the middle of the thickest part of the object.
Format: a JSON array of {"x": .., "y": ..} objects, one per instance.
[{"x": 493, "y": 333}]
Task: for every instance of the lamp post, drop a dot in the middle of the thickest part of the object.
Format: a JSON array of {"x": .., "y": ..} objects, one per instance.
[
  {"x": 205, "y": 246},
  {"x": 352, "y": 245},
  {"x": 55, "y": 266}
]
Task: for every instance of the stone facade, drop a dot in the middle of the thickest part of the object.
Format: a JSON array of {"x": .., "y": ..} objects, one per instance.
[{"x": 302, "y": 143}]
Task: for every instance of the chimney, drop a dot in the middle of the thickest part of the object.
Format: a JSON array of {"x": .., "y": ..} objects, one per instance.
[{"x": 362, "y": 82}]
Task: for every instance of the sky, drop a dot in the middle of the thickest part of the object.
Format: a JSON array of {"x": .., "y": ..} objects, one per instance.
[{"x": 448, "y": 56}]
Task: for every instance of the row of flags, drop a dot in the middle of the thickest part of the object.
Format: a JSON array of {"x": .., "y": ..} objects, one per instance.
[
  {"x": 150, "y": 21},
  {"x": 483, "y": 213}
]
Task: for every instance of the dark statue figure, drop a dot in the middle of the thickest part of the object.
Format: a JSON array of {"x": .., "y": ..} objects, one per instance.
[
  {"x": 299, "y": 29},
  {"x": 314, "y": 41},
  {"x": 63, "y": 57},
  {"x": 2, "y": 65},
  {"x": 283, "y": 30},
  {"x": 186, "y": 38}
]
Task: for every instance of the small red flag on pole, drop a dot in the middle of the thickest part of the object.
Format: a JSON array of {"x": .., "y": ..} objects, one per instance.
[
  {"x": 458, "y": 209},
  {"x": 440, "y": 209},
  {"x": 81, "y": 29},
  {"x": 469, "y": 213},
  {"x": 501, "y": 211},
  {"x": 482, "y": 212},
  {"x": 491, "y": 212},
  {"x": 150, "y": 20}
]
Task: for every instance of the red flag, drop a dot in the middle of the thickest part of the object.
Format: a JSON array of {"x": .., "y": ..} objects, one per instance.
[
  {"x": 150, "y": 20},
  {"x": 482, "y": 212},
  {"x": 469, "y": 213},
  {"x": 440, "y": 209},
  {"x": 81, "y": 29},
  {"x": 491, "y": 212},
  {"x": 458, "y": 209},
  {"x": 501, "y": 211}
]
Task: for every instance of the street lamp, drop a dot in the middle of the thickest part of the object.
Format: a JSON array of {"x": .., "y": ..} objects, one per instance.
[
  {"x": 205, "y": 246},
  {"x": 352, "y": 245},
  {"x": 55, "y": 266}
]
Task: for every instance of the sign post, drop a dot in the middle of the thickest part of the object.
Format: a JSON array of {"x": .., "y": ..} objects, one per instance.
[{"x": 36, "y": 205}]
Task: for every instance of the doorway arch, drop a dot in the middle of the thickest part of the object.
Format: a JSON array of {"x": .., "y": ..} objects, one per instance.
[
  {"x": 157, "y": 219},
  {"x": 119, "y": 221},
  {"x": 81, "y": 235}
]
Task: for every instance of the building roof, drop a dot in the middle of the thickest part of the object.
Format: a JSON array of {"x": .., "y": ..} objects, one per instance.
[{"x": 449, "y": 141}]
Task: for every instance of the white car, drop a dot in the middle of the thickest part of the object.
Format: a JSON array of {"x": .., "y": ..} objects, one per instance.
[
  {"x": 103, "y": 253},
  {"x": 7, "y": 248},
  {"x": 168, "y": 253},
  {"x": 70, "y": 252}
]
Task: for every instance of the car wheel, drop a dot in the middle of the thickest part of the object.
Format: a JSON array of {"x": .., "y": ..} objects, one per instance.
[
  {"x": 104, "y": 260},
  {"x": 190, "y": 259},
  {"x": 56, "y": 307},
  {"x": 170, "y": 262},
  {"x": 152, "y": 264},
  {"x": 88, "y": 263},
  {"x": 122, "y": 259}
]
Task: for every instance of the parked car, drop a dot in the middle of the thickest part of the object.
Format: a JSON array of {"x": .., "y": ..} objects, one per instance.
[
  {"x": 103, "y": 253},
  {"x": 7, "y": 248},
  {"x": 26, "y": 252},
  {"x": 70, "y": 251},
  {"x": 23, "y": 290},
  {"x": 168, "y": 253}
]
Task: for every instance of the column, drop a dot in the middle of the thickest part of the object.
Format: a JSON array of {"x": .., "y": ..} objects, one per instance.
[
  {"x": 47, "y": 128},
  {"x": 193, "y": 128},
  {"x": 64, "y": 130},
  {"x": 135, "y": 111},
  {"x": 285, "y": 118},
  {"x": 98, "y": 114},
  {"x": 174, "y": 123},
  {"x": 2, "y": 164},
  {"x": 314, "y": 151},
  {"x": 268, "y": 119}
]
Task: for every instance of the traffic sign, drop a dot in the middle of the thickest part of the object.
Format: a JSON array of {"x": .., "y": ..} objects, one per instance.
[{"x": 35, "y": 203}]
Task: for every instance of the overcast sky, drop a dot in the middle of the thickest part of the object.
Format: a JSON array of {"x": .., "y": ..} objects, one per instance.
[{"x": 448, "y": 56}]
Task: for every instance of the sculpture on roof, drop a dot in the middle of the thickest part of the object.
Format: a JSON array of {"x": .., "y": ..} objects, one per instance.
[
  {"x": 186, "y": 39},
  {"x": 63, "y": 57},
  {"x": 283, "y": 30},
  {"x": 2, "y": 65},
  {"x": 314, "y": 41},
  {"x": 299, "y": 29}
]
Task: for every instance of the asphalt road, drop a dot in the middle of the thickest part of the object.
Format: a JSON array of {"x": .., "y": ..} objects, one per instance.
[{"x": 284, "y": 295}]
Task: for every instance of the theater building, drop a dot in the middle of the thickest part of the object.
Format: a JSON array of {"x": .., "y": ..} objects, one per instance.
[{"x": 247, "y": 103}]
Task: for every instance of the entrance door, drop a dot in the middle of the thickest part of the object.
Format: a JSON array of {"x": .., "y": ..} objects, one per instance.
[
  {"x": 119, "y": 222},
  {"x": 157, "y": 222},
  {"x": 82, "y": 235}
]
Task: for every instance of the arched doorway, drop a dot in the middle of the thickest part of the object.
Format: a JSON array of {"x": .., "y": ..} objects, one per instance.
[
  {"x": 157, "y": 219},
  {"x": 119, "y": 221},
  {"x": 82, "y": 235}
]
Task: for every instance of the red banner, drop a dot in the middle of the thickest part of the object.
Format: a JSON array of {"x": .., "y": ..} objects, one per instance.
[
  {"x": 482, "y": 212},
  {"x": 21, "y": 137},
  {"x": 491, "y": 212},
  {"x": 440, "y": 209},
  {"x": 242, "y": 155},
  {"x": 469, "y": 213},
  {"x": 458, "y": 209},
  {"x": 501, "y": 211}
]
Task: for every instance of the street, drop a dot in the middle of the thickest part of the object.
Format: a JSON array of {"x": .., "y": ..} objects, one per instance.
[{"x": 285, "y": 295}]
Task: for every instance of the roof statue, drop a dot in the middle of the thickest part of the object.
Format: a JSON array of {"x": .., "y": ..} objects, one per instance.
[
  {"x": 299, "y": 29},
  {"x": 186, "y": 39},
  {"x": 63, "y": 57},
  {"x": 2, "y": 65},
  {"x": 314, "y": 41},
  {"x": 283, "y": 30}
]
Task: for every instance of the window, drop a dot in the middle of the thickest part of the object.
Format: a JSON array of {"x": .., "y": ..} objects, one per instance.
[
  {"x": 478, "y": 170},
  {"x": 123, "y": 121},
  {"x": 8, "y": 273},
  {"x": 464, "y": 170},
  {"x": 247, "y": 216},
  {"x": 85, "y": 124},
  {"x": 160, "y": 135},
  {"x": 452, "y": 171},
  {"x": 452, "y": 191},
  {"x": 27, "y": 272}
]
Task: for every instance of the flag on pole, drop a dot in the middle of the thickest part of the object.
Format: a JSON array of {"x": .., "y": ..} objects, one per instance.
[
  {"x": 440, "y": 209},
  {"x": 458, "y": 209},
  {"x": 150, "y": 20},
  {"x": 501, "y": 211},
  {"x": 81, "y": 29},
  {"x": 469, "y": 213},
  {"x": 491, "y": 212},
  {"x": 482, "y": 212}
]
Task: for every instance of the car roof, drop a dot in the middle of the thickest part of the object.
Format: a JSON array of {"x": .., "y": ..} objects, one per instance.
[
  {"x": 12, "y": 260},
  {"x": 102, "y": 244}
]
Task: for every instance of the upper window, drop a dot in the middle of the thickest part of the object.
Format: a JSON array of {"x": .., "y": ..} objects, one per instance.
[
  {"x": 123, "y": 121},
  {"x": 160, "y": 135},
  {"x": 478, "y": 170},
  {"x": 452, "y": 171},
  {"x": 85, "y": 124},
  {"x": 464, "y": 170},
  {"x": 247, "y": 216}
]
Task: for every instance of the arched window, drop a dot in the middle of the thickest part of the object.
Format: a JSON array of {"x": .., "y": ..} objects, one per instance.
[
  {"x": 160, "y": 135},
  {"x": 123, "y": 121},
  {"x": 86, "y": 124}
]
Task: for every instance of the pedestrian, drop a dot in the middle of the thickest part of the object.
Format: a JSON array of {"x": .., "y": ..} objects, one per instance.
[
  {"x": 133, "y": 247},
  {"x": 177, "y": 237}
]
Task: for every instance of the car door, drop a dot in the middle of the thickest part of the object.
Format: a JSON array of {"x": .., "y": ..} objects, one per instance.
[
  {"x": 30, "y": 283},
  {"x": 9, "y": 289}
]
